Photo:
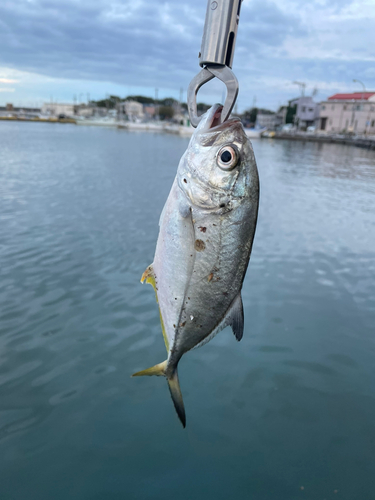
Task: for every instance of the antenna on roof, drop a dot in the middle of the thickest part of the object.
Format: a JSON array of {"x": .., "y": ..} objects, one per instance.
[{"x": 314, "y": 92}]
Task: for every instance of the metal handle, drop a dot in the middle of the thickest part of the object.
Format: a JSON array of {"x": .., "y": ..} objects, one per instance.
[{"x": 219, "y": 34}]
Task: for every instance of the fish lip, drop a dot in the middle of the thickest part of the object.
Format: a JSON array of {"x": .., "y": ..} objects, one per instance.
[{"x": 214, "y": 115}]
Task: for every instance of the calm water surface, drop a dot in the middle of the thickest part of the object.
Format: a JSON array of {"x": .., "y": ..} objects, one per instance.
[{"x": 287, "y": 414}]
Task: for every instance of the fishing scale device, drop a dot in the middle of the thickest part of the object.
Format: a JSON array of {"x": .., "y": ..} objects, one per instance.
[{"x": 216, "y": 55}]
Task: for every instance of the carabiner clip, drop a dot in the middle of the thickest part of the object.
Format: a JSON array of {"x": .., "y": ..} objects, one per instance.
[{"x": 216, "y": 55}]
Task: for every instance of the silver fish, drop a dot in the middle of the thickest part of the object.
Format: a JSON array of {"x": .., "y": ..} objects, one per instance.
[{"x": 206, "y": 234}]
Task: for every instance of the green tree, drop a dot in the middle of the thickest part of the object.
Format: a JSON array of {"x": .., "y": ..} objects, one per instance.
[
  {"x": 250, "y": 115},
  {"x": 109, "y": 103},
  {"x": 202, "y": 107},
  {"x": 290, "y": 113},
  {"x": 166, "y": 112},
  {"x": 140, "y": 98}
]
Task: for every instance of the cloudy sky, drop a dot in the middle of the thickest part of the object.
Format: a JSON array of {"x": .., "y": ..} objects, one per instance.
[{"x": 61, "y": 48}]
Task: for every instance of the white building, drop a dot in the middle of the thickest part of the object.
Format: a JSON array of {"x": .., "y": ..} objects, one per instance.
[
  {"x": 307, "y": 111},
  {"x": 133, "y": 110},
  {"x": 353, "y": 112},
  {"x": 56, "y": 109},
  {"x": 84, "y": 110},
  {"x": 266, "y": 120}
]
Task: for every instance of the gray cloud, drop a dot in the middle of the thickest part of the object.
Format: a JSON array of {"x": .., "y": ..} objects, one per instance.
[{"x": 156, "y": 43}]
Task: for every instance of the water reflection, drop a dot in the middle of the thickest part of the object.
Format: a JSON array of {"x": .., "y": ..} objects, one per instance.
[{"x": 292, "y": 405}]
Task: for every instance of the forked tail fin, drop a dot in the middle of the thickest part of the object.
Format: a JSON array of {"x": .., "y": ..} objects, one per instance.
[
  {"x": 173, "y": 384},
  {"x": 174, "y": 388}
]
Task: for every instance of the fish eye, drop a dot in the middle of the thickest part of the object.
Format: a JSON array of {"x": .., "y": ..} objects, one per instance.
[{"x": 227, "y": 157}]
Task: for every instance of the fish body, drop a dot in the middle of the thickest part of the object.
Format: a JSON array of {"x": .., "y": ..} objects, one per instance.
[{"x": 206, "y": 234}]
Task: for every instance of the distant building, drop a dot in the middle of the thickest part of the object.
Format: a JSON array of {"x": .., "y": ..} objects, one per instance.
[
  {"x": 84, "y": 110},
  {"x": 354, "y": 112},
  {"x": 10, "y": 110},
  {"x": 132, "y": 110},
  {"x": 307, "y": 112},
  {"x": 266, "y": 120},
  {"x": 149, "y": 110},
  {"x": 280, "y": 117},
  {"x": 56, "y": 109}
]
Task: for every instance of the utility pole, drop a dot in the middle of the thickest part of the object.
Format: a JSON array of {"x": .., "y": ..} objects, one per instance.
[
  {"x": 302, "y": 86},
  {"x": 362, "y": 106},
  {"x": 156, "y": 104},
  {"x": 181, "y": 98}
]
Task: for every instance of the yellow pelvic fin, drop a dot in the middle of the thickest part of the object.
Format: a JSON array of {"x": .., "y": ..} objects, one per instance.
[
  {"x": 157, "y": 370},
  {"x": 149, "y": 276}
]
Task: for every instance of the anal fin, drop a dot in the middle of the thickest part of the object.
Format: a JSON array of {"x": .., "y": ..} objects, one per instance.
[{"x": 233, "y": 318}]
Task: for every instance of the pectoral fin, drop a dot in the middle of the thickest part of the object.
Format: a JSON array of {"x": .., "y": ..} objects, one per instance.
[{"x": 184, "y": 207}]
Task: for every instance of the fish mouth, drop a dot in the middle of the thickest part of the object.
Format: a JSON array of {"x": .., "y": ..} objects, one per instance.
[{"x": 213, "y": 121}]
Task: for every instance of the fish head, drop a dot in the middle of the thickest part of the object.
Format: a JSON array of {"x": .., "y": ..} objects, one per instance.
[{"x": 216, "y": 170}]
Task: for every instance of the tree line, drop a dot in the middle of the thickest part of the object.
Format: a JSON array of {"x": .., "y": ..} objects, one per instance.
[{"x": 168, "y": 106}]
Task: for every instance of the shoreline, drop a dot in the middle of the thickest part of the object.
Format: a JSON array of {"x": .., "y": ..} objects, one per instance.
[
  {"x": 365, "y": 142},
  {"x": 358, "y": 141}
]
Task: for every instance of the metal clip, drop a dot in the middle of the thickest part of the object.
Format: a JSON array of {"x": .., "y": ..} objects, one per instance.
[
  {"x": 219, "y": 33},
  {"x": 216, "y": 55},
  {"x": 224, "y": 74}
]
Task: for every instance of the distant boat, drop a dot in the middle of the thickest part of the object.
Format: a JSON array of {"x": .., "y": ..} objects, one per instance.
[
  {"x": 179, "y": 129},
  {"x": 254, "y": 133},
  {"x": 141, "y": 126},
  {"x": 100, "y": 122}
]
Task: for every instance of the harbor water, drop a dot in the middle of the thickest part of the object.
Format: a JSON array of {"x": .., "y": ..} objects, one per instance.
[{"x": 286, "y": 414}]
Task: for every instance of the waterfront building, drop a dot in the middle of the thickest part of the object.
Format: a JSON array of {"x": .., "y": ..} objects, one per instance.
[
  {"x": 281, "y": 116},
  {"x": 133, "y": 110},
  {"x": 56, "y": 109},
  {"x": 10, "y": 110},
  {"x": 84, "y": 110},
  {"x": 353, "y": 112},
  {"x": 149, "y": 111},
  {"x": 266, "y": 120},
  {"x": 307, "y": 112}
]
